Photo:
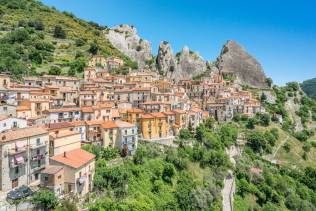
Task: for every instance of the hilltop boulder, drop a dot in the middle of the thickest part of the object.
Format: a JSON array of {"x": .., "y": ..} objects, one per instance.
[{"x": 234, "y": 59}]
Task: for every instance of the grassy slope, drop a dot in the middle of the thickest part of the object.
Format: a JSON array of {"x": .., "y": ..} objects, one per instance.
[
  {"x": 294, "y": 157},
  {"x": 65, "y": 48}
]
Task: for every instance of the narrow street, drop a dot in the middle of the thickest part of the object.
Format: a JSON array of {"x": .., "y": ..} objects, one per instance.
[{"x": 228, "y": 192}]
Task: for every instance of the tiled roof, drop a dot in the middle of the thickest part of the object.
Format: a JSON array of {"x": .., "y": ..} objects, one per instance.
[
  {"x": 64, "y": 133},
  {"x": 59, "y": 125},
  {"x": 75, "y": 158},
  {"x": 147, "y": 116},
  {"x": 158, "y": 115},
  {"x": 109, "y": 124},
  {"x": 12, "y": 135},
  {"x": 51, "y": 169},
  {"x": 64, "y": 109},
  {"x": 135, "y": 110},
  {"x": 94, "y": 122},
  {"x": 87, "y": 109}
]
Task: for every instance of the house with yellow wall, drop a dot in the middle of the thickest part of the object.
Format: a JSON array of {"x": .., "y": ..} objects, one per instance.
[{"x": 154, "y": 126}]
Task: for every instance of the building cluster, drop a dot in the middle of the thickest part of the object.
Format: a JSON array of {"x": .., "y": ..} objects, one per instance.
[{"x": 45, "y": 120}]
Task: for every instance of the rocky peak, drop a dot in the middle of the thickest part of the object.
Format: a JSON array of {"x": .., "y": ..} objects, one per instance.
[
  {"x": 189, "y": 64},
  {"x": 126, "y": 39},
  {"x": 165, "y": 60},
  {"x": 234, "y": 59}
]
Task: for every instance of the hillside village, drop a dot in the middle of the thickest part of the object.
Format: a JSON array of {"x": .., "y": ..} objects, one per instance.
[
  {"x": 46, "y": 119},
  {"x": 92, "y": 119}
]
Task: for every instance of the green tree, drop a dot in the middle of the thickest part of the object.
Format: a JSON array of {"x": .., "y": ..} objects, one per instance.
[
  {"x": 94, "y": 48},
  {"x": 45, "y": 199},
  {"x": 209, "y": 123},
  {"x": 185, "y": 134},
  {"x": 256, "y": 141},
  {"x": 251, "y": 123},
  {"x": 36, "y": 56},
  {"x": 59, "y": 32},
  {"x": 269, "y": 82},
  {"x": 168, "y": 172},
  {"x": 54, "y": 70}
]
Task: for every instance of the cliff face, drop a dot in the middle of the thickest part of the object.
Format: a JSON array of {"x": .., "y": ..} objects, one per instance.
[
  {"x": 126, "y": 39},
  {"x": 165, "y": 60},
  {"x": 186, "y": 64},
  {"x": 234, "y": 59}
]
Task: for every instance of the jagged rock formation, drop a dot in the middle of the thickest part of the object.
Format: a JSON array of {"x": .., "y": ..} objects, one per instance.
[
  {"x": 126, "y": 39},
  {"x": 234, "y": 59},
  {"x": 165, "y": 60},
  {"x": 190, "y": 64},
  {"x": 186, "y": 64}
]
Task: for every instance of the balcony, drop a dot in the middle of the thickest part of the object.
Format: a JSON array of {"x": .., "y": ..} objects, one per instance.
[
  {"x": 17, "y": 161},
  {"x": 38, "y": 145},
  {"x": 38, "y": 157},
  {"x": 15, "y": 151}
]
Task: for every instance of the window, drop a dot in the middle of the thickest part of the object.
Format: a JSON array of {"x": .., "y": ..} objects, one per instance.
[
  {"x": 5, "y": 108},
  {"x": 38, "y": 141},
  {"x": 80, "y": 174},
  {"x": 36, "y": 176},
  {"x": 16, "y": 170},
  {"x": 46, "y": 178},
  {"x": 4, "y": 124},
  {"x": 59, "y": 177}
]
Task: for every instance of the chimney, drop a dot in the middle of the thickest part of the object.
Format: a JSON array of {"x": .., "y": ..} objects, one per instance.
[{"x": 65, "y": 154}]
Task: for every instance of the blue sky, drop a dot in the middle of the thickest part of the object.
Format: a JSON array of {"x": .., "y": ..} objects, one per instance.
[{"x": 280, "y": 34}]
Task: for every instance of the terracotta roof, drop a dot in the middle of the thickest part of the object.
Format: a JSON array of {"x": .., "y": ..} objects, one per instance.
[
  {"x": 59, "y": 125},
  {"x": 51, "y": 169},
  {"x": 64, "y": 109},
  {"x": 109, "y": 124},
  {"x": 74, "y": 158},
  {"x": 87, "y": 109},
  {"x": 23, "y": 108},
  {"x": 64, "y": 133},
  {"x": 141, "y": 89},
  {"x": 169, "y": 113},
  {"x": 77, "y": 123},
  {"x": 158, "y": 114},
  {"x": 12, "y": 135},
  {"x": 135, "y": 110},
  {"x": 147, "y": 116},
  {"x": 94, "y": 122}
]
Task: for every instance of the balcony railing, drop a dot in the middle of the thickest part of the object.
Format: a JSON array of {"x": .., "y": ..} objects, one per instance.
[
  {"x": 38, "y": 145},
  {"x": 14, "y": 164},
  {"x": 38, "y": 157},
  {"x": 15, "y": 151}
]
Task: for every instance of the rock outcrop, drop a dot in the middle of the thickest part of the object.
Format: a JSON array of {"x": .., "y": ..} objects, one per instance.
[
  {"x": 126, "y": 39},
  {"x": 165, "y": 60},
  {"x": 234, "y": 59},
  {"x": 185, "y": 65}
]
